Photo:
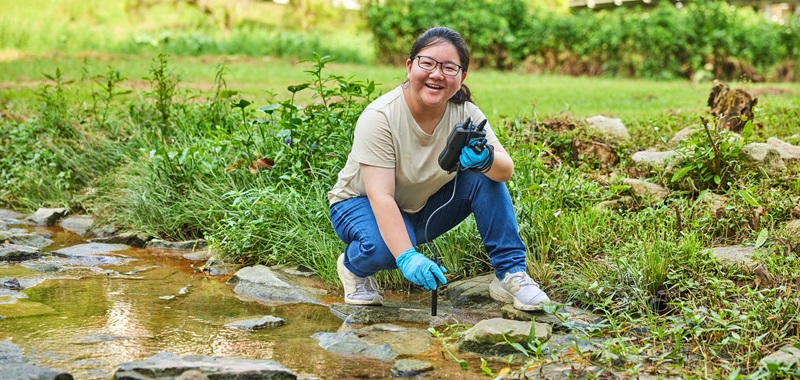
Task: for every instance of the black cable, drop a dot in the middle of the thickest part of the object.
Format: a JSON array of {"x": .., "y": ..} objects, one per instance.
[{"x": 435, "y": 292}]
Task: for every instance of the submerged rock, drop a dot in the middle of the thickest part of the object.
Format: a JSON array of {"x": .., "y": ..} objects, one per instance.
[
  {"x": 263, "y": 284},
  {"x": 166, "y": 365},
  {"x": 89, "y": 249},
  {"x": 380, "y": 341},
  {"x": 265, "y": 322}
]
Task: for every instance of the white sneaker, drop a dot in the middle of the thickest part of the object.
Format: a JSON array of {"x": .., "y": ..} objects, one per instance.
[
  {"x": 518, "y": 288},
  {"x": 358, "y": 290}
]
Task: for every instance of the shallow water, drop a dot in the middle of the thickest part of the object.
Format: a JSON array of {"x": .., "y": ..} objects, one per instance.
[{"x": 93, "y": 320}]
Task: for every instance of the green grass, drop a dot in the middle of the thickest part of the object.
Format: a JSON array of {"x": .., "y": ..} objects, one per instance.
[{"x": 499, "y": 94}]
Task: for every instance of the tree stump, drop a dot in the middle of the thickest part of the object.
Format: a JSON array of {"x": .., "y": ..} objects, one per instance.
[{"x": 731, "y": 108}]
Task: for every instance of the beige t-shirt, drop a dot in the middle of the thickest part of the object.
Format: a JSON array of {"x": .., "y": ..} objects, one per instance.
[{"x": 387, "y": 136}]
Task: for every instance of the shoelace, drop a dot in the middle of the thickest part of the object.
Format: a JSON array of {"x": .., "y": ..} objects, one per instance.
[
  {"x": 367, "y": 285},
  {"x": 521, "y": 279}
]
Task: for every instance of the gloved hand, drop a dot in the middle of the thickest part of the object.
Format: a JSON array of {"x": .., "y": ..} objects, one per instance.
[
  {"x": 477, "y": 154},
  {"x": 420, "y": 270}
]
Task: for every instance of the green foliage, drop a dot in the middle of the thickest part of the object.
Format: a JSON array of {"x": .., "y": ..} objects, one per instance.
[
  {"x": 487, "y": 26},
  {"x": 696, "y": 41},
  {"x": 710, "y": 160},
  {"x": 312, "y": 140}
]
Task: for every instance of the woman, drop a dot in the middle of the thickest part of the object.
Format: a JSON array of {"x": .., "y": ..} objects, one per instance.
[{"x": 392, "y": 183}]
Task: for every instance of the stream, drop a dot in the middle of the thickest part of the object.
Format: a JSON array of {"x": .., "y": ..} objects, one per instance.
[{"x": 89, "y": 319}]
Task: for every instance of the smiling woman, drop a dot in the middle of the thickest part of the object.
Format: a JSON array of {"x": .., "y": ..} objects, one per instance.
[{"x": 391, "y": 186}]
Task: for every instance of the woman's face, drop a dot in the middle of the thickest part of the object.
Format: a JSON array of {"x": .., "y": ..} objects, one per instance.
[{"x": 433, "y": 88}]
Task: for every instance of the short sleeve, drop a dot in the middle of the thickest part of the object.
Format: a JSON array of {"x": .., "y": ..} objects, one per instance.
[{"x": 373, "y": 143}]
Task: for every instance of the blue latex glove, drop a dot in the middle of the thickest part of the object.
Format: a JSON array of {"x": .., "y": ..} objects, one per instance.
[
  {"x": 420, "y": 270},
  {"x": 476, "y": 155}
]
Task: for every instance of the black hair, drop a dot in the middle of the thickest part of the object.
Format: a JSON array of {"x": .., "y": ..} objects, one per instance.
[{"x": 438, "y": 34}]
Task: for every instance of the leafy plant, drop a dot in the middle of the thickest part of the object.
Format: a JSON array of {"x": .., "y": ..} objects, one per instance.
[{"x": 709, "y": 160}]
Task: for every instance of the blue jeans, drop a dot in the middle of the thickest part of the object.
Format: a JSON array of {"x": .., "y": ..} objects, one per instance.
[{"x": 366, "y": 252}]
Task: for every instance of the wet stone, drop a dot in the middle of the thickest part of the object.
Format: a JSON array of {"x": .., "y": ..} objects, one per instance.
[
  {"x": 133, "y": 239},
  {"x": 166, "y": 365},
  {"x": 263, "y": 284},
  {"x": 410, "y": 367},
  {"x": 91, "y": 249},
  {"x": 10, "y": 352},
  {"x": 265, "y": 322},
  {"x": 10, "y": 296},
  {"x": 100, "y": 338},
  {"x": 567, "y": 319},
  {"x": 565, "y": 371},
  {"x": 30, "y": 371},
  {"x": 197, "y": 256},
  {"x": 26, "y": 239},
  {"x": 13, "y": 252},
  {"x": 43, "y": 266},
  {"x": 389, "y": 312},
  {"x": 47, "y": 216},
  {"x": 471, "y": 293},
  {"x": 10, "y": 214},
  {"x": 491, "y": 336},
  {"x": 78, "y": 224},
  {"x": 380, "y": 341},
  {"x": 189, "y": 245},
  {"x": 565, "y": 343}
]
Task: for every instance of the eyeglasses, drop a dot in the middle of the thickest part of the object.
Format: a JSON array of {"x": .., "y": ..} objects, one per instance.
[{"x": 429, "y": 64}]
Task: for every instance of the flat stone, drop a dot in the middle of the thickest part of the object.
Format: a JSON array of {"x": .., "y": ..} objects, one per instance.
[
  {"x": 410, "y": 367},
  {"x": 490, "y": 336},
  {"x": 10, "y": 352},
  {"x": 738, "y": 254},
  {"x": 645, "y": 189},
  {"x": 653, "y": 159},
  {"x": 197, "y": 256},
  {"x": 78, "y": 224},
  {"x": 608, "y": 127},
  {"x": 253, "y": 324},
  {"x": 380, "y": 341},
  {"x": 789, "y": 153},
  {"x": 569, "y": 318},
  {"x": 188, "y": 245},
  {"x": 471, "y": 293},
  {"x": 43, "y": 266},
  {"x": 25, "y": 371},
  {"x": 263, "y": 284},
  {"x": 788, "y": 355},
  {"x": 389, "y": 312},
  {"x": 13, "y": 252},
  {"x": 26, "y": 239},
  {"x": 10, "y": 214},
  {"x": 166, "y": 365},
  {"x": 89, "y": 249},
  {"x": 133, "y": 239}
]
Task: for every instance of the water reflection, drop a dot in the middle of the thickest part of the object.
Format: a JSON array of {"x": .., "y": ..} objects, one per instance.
[{"x": 88, "y": 322}]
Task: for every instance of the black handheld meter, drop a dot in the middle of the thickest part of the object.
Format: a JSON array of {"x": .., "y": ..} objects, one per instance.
[{"x": 457, "y": 140}]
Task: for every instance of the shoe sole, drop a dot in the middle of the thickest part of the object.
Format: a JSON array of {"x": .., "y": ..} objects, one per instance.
[
  {"x": 500, "y": 294},
  {"x": 375, "y": 301}
]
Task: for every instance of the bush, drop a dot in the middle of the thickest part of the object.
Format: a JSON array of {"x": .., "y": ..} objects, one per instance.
[{"x": 662, "y": 42}]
